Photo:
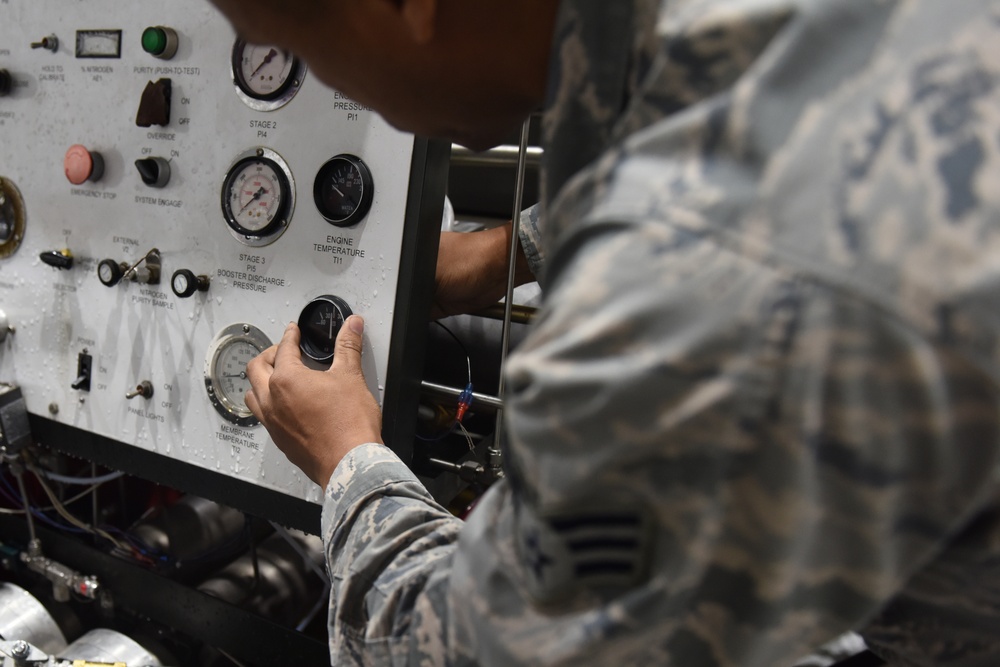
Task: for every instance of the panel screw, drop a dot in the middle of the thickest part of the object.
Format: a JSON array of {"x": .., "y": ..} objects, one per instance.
[
  {"x": 53, "y": 408},
  {"x": 20, "y": 649}
]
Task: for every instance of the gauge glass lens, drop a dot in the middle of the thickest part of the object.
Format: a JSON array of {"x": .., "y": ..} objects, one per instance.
[
  {"x": 263, "y": 72},
  {"x": 180, "y": 283},
  {"x": 105, "y": 273},
  {"x": 230, "y": 371},
  {"x": 98, "y": 43},
  {"x": 343, "y": 190},
  {"x": 255, "y": 194}
]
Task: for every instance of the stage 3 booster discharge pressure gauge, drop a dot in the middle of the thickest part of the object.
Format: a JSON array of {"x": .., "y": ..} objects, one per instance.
[
  {"x": 258, "y": 197},
  {"x": 226, "y": 370}
]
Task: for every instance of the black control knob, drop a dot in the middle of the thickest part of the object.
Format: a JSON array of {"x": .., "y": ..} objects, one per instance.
[
  {"x": 60, "y": 259},
  {"x": 319, "y": 323},
  {"x": 154, "y": 171},
  {"x": 185, "y": 283},
  {"x": 110, "y": 272},
  {"x": 6, "y": 82}
]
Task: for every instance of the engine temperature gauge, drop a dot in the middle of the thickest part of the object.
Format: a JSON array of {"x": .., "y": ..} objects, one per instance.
[
  {"x": 266, "y": 77},
  {"x": 343, "y": 190},
  {"x": 226, "y": 370},
  {"x": 258, "y": 197}
]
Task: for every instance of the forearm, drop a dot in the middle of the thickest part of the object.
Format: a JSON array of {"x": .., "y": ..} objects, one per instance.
[{"x": 388, "y": 548}]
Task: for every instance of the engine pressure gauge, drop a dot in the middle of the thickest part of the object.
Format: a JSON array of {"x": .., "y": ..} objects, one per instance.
[
  {"x": 266, "y": 77},
  {"x": 258, "y": 197},
  {"x": 319, "y": 324},
  {"x": 226, "y": 370},
  {"x": 343, "y": 190}
]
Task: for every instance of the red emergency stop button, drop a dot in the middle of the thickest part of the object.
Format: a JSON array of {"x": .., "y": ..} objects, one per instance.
[{"x": 82, "y": 165}]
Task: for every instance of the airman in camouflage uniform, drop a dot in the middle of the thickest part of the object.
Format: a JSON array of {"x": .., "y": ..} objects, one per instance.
[{"x": 760, "y": 405}]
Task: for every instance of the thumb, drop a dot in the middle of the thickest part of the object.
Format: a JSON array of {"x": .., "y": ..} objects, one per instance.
[{"x": 347, "y": 352}]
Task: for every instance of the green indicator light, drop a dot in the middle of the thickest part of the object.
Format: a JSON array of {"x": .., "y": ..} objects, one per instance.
[{"x": 154, "y": 41}]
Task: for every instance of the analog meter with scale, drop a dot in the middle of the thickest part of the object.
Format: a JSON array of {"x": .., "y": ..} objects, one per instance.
[
  {"x": 266, "y": 77},
  {"x": 226, "y": 370}
]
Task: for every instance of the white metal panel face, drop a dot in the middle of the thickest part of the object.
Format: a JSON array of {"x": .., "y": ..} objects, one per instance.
[{"x": 138, "y": 332}]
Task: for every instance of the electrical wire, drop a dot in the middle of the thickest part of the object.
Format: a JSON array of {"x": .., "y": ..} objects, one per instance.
[
  {"x": 65, "y": 514},
  {"x": 468, "y": 359},
  {"x": 325, "y": 595},
  {"x": 81, "y": 481}
]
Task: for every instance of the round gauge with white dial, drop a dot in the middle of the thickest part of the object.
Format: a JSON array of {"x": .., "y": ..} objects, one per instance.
[
  {"x": 258, "y": 197},
  {"x": 266, "y": 77},
  {"x": 226, "y": 377}
]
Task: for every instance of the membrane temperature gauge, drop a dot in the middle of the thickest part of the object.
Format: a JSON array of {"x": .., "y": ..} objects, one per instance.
[
  {"x": 226, "y": 371},
  {"x": 258, "y": 197}
]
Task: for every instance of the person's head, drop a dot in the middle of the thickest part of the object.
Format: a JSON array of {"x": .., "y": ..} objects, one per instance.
[{"x": 468, "y": 70}]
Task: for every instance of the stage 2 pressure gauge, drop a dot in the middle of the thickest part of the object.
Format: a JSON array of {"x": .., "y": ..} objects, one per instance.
[
  {"x": 258, "y": 197},
  {"x": 343, "y": 190},
  {"x": 266, "y": 77},
  {"x": 226, "y": 370}
]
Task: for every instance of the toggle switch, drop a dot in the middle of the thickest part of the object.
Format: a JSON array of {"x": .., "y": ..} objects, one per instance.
[
  {"x": 84, "y": 365},
  {"x": 82, "y": 165},
  {"x": 50, "y": 43},
  {"x": 6, "y": 83},
  {"x": 144, "y": 389},
  {"x": 185, "y": 283},
  {"x": 59, "y": 259},
  {"x": 154, "y": 107},
  {"x": 154, "y": 171},
  {"x": 160, "y": 42},
  {"x": 5, "y": 327}
]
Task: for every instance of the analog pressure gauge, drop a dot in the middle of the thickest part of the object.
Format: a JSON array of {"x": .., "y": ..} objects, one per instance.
[
  {"x": 226, "y": 370},
  {"x": 343, "y": 190},
  {"x": 266, "y": 77},
  {"x": 12, "y": 218},
  {"x": 319, "y": 324},
  {"x": 258, "y": 197}
]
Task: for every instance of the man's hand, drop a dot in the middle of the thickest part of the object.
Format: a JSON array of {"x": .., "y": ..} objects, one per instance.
[
  {"x": 315, "y": 417},
  {"x": 472, "y": 270}
]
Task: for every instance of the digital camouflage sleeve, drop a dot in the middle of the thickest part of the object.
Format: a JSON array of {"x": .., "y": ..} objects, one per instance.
[{"x": 759, "y": 407}]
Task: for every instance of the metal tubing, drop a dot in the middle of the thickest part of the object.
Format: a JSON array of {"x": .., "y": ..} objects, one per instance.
[
  {"x": 477, "y": 399},
  {"x": 512, "y": 265},
  {"x": 500, "y": 156}
]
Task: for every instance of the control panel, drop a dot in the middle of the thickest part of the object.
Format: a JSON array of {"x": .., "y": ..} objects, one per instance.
[{"x": 171, "y": 196}]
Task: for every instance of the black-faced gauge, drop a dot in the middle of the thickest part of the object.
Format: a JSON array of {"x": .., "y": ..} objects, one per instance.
[
  {"x": 258, "y": 197},
  {"x": 226, "y": 377},
  {"x": 343, "y": 190},
  {"x": 266, "y": 77},
  {"x": 12, "y": 218},
  {"x": 319, "y": 324}
]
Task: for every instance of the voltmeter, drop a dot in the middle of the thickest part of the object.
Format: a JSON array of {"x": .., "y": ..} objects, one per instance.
[
  {"x": 258, "y": 197},
  {"x": 343, "y": 190},
  {"x": 266, "y": 77},
  {"x": 226, "y": 370}
]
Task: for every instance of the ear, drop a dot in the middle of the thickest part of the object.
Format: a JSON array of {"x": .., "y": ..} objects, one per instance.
[{"x": 420, "y": 17}]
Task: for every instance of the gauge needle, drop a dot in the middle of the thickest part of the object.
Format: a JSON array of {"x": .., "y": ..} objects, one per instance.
[
  {"x": 242, "y": 376},
  {"x": 257, "y": 195},
  {"x": 350, "y": 200},
  {"x": 267, "y": 59},
  {"x": 331, "y": 327}
]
